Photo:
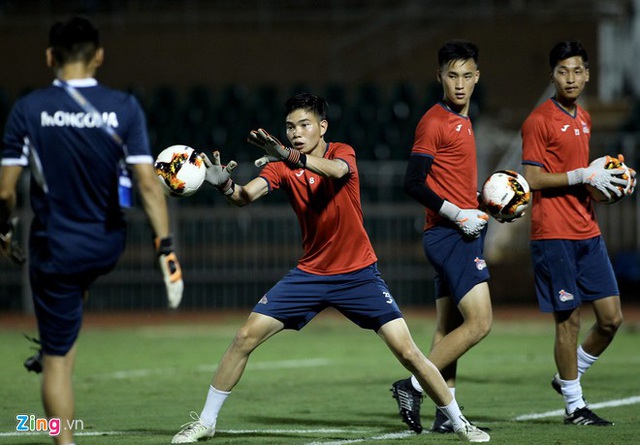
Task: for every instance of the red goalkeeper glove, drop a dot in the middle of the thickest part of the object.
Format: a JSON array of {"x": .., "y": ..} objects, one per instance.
[{"x": 275, "y": 150}]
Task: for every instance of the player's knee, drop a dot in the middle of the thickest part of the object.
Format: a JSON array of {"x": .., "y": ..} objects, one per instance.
[
  {"x": 409, "y": 355},
  {"x": 478, "y": 330},
  {"x": 244, "y": 340},
  {"x": 611, "y": 325}
]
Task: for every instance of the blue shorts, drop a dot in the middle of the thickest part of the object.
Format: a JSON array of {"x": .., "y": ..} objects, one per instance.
[
  {"x": 458, "y": 260},
  {"x": 568, "y": 272},
  {"x": 58, "y": 302},
  {"x": 361, "y": 296}
]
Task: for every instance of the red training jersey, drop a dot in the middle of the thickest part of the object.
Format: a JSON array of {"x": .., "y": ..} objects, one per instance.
[
  {"x": 448, "y": 138},
  {"x": 559, "y": 142},
  {"x": 329, "y": 212}
]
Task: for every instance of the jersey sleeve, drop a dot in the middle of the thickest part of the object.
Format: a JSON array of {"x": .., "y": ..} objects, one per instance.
[
  {"x": 136, "y": 139},
  {"x": 428, "y": 137},
  {"x": 347, "y": 154},
  {"x": 534, "y": 140},
  {"x": 271, "y": 174}
]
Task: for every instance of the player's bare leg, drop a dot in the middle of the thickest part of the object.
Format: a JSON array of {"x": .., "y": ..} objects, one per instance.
[
  {"x": 254, "y": 332},
  {"x": 397, "y": 337},
  {"x": 57, "y": 392},
  {"x": 608, "y": 313},
  {"x": 477, "y": 314},
  {"x": 566, "y": 356},
  {"x": 566, "y": 341},
  {"x": 256, "y": 329},
  {"x": 458, "y": 328}
]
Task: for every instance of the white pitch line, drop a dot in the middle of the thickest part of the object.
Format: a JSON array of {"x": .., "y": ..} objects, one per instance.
[
  {"x": 560, "y": 412},
  {"x": 281, "y": 364},
  {"x": 388, "y": 436},
  {"x": 119, "y": 433}
]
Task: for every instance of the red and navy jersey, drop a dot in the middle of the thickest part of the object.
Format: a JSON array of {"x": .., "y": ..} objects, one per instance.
[
  {"x": 329, "y": 212},
  {"x": 559, "y": 142},
  {"x": 78, "y": 223},
  {"x": 447, "y": 138}
]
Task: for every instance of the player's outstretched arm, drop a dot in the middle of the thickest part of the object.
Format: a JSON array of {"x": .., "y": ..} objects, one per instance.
[{"x": 155, "y": 207}]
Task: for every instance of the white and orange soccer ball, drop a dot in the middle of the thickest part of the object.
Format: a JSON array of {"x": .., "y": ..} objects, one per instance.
[
  {"x": 628, "y": 175},
  {"x": 506, "y": 195},
  {"x": 180, "y": 170}
]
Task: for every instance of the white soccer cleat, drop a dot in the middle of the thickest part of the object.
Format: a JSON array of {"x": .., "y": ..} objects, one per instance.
[
  {"x": 471, "y": 433},
  {"x": 191, "y": 432}
]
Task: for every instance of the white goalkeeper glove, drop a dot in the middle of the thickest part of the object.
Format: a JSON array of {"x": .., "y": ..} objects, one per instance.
[
  {"x": 598, "y": 176},
  {"x": 275, "y": 150},
  {"x": 470, "y": 221},
  {"x": 217, "y": 175},
  {"x": 171, "y": 271},
  {"x": 8, "y": 245}
]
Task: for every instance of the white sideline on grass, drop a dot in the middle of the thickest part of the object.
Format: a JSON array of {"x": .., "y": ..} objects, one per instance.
[
  {"x": 560, "y": 412},
  {"x": 389, "y": 436}
]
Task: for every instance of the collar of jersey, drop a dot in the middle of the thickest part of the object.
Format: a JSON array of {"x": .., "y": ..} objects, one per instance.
[{"x": 78, "y": 83}]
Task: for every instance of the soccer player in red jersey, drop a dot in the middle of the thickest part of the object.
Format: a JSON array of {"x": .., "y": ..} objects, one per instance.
[
  {"x": 338, "y": 266},
  {"x": 442, "y": 176},
  {"x": 570, "y": 260}
]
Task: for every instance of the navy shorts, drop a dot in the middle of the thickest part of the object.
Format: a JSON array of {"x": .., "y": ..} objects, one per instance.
[
  {"x": 362, "y": 296},
  {"x": 58, "y": 301},
  {"x": 568, "y": 272},
  {"x": 458, "y": 260}
]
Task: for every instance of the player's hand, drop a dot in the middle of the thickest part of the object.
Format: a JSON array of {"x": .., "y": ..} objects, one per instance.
[
  {"x": 171, "y": 271},
  {"x": 607, "y": 181},
  {"x": 470, "y": 221},
  {"x": 217, "y": 175},
  {"x": 9, "y": 246},
  {"x": 274, "y": 149}
]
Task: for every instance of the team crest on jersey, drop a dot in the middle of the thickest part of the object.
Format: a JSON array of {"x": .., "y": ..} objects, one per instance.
[
  {"x": 263, "y": 300},
  {"x": 565, "y": 296},
  {"x": 480, "y": 263},
  {"x": 585, "y": 127}
]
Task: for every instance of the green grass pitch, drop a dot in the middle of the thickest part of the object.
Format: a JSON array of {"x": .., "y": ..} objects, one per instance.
[{"x": 328, "y": 384}]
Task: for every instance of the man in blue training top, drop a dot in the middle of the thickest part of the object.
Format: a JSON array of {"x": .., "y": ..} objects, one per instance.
[{"x": 74, "y": 136}]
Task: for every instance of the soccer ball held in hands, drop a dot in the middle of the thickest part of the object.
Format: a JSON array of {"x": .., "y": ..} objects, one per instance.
[{"x": 505, "y": 194}]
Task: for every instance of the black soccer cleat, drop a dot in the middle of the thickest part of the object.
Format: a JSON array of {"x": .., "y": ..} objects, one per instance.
[
  {"x": 584, "y": 416},
  {"x": 409, "y": 400},
  {"x": 441, "y": 423},
  {"x": 34, "y": 363}
]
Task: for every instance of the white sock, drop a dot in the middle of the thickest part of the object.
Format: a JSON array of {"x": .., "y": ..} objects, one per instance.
[
  {"x": 416, "y": 384},
  {"x": 212, "y": 406},
  {"x": 453, "y": 413},
  {"x": 572, "y": 393},
  {"x": 584, "y": 361}
]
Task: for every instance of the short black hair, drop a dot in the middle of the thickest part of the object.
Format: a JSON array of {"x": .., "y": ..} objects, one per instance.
[
  {"x": 457, "y": 50},
  {"x": 75, "y": 39},
  {"x": 566, "y": 49},
  {"x": 308, "y": 102}
]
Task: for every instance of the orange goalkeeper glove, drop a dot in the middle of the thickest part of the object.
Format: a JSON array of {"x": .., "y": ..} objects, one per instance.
[{"x": 171, "y": 271}]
